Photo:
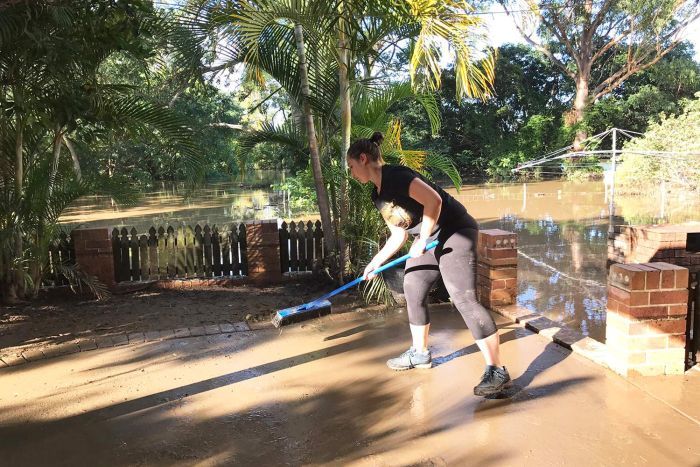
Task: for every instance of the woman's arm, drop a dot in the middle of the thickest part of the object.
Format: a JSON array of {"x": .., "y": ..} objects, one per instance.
[
  {"x": 393, "y": 244},
  {"x": 432, "y": 205}
]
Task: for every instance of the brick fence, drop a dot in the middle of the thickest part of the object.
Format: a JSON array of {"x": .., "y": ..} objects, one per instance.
[
  {"x": 94, "y": 253},
  {"x": 648, "y": 303},
  {"x": 657, "y": 246},
  {"x": 675, "y": 244},
  {"x": 496, "y": 266},
  {"x": 264, "y": 264}
]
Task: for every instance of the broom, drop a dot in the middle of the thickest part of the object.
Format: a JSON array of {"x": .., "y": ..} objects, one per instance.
[{"x": 321, "y": 306}]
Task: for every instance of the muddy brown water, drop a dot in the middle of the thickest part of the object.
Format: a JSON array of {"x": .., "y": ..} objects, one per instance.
[{"x": 562, "y": 230}]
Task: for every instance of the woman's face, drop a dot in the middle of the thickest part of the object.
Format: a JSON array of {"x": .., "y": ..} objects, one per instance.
[{"x": 359, "y": 169}]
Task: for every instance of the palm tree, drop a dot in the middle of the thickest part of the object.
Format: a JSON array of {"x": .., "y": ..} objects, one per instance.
[
  {"x": 267, "y": 31},
  {"x": 266, "y": 36},
  {"x": 50, "y": 55},
  {"x": 321, "y": 193},
  {"x": 370, "y": 113}
]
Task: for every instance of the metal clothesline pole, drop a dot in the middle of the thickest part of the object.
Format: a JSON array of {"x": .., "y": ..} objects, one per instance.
[{"x": 611, "y": 205}]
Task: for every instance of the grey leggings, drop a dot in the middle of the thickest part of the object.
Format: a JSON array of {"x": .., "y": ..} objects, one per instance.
[{"x": 455, "y": 259}]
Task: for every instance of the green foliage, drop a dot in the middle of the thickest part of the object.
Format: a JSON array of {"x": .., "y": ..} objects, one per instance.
[
  {"x": 677, "y": 133},
  {"x": 648, "y": 94},
  {"x": 363, "y": 227},
  {"x": 146, "y": 155},
  {"x": 301, "y": 190},
  {"x": 601, "y": 45},
  {"x": 51, "y": 92},
  {"x": 488, "y": 138},
  {"x": 286, "y": 144},
  {"x": 535, "y": 137},
  {"x": 123, "y": 83},
  {"x": 376, "y": 290},
  {"x": 523, "y": 120}
]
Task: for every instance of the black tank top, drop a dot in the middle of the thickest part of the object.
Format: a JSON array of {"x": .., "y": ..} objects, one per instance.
[{"x": 399, "y": 209}]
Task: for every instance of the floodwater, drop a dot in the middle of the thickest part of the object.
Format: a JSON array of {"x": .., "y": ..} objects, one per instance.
[
  {"x": 215, "y": 203},
  {"x": 562, "y": 230},
  {"x": 319, "y": 394}
]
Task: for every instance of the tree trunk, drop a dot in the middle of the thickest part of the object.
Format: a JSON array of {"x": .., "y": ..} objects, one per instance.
[
  {"x": 74, "y": 157},
  {"x": 321, "y": 193},
  {"x": 345, "y": 130},
  {"x": 57, "y": 143},
  {"x": 16, "y": 287},
  {"x": 580, "y": 106}
]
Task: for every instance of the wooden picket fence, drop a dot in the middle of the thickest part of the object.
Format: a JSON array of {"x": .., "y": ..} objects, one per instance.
[
  {"x": 61, "y": 252},
  {"x": 179, "y": 253},
  {"x": 301, "y": 246},
  {"x": 186, "y": 252}
]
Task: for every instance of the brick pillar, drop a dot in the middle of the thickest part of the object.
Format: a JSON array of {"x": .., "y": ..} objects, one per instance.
[
  {"x": 94, "y": 253},
  {"x": 646, "y": 318},
  {"x": 263, "y": 241},
  {"x": 497, "y": 261}
]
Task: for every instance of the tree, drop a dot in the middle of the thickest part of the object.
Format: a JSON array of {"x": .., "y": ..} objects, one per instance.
[
  {"x": 485, "y": 138},
  {"x": 214, "y": 116},
  {"x": 274, "y": 37},
  {"x": 599, "y": 45},
  {"x": 647, "y": 160},
  {"x": 339, "y": 36},
  {"x": 370, "y": 113},
  {"x": 660, "y": 89},
  {"x": 379, "y": 26},
  {"x": 49, "y": 89}
]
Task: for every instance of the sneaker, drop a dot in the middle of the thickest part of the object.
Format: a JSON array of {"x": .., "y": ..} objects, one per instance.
[
  {"x": 494, "y": 380},
  {"x": 411, "y": 359}
]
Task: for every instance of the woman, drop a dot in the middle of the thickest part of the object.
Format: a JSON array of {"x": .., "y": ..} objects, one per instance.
[{"x": 410, "y": 204}]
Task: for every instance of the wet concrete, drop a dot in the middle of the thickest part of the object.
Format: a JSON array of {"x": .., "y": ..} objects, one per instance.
[{"x": 320, "y": 394}]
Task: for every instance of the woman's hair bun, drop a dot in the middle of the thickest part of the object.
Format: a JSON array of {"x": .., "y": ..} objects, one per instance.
[{"x": 377, "y": 138}]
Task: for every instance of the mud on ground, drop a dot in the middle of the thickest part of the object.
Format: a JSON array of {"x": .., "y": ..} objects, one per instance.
[{"x": 55, "y": 320}]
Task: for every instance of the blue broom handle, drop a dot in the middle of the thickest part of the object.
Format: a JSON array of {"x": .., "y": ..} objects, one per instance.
[{"x": 388, "y": 265}]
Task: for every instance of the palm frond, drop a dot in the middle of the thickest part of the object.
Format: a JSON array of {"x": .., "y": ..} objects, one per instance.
[
  {"x": 287, "y": 135},
  {"x": 446, "y": 166},
  {"x": 11, "y": 25},
  {"x": 373, "y": 111},
  {"x": 377, "y": 291},
  {"x": 422, "y": 162},
  {"x": 451, "y": 21},
  {"x": 362, "y": 131},
  {"x": 77, "y": 279},
  {"x": 263, "y": 31},
  {"x": 132, "y": 111},
  {"x": 267, "y": 18}
]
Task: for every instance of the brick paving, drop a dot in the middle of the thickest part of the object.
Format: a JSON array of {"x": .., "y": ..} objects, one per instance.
[{"x": 20, "y": 357}]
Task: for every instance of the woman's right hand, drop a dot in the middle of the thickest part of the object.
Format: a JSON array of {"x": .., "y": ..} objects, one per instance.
[
  {"x": 393, "y": 244},
  {"x": 369, "y": 270}
]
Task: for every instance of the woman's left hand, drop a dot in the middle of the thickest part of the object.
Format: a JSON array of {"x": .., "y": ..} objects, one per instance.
[{"x": 417, "y": 248}]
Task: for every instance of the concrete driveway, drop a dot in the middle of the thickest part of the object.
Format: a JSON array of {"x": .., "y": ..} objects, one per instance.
[{"x": 319, "y": 393}]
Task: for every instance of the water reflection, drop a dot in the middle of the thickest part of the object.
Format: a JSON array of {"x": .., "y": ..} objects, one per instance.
[
  {"x": 217, "y": 203},
  {"x": 562, "y": 229},
  {"x": 562, "y": 240}
]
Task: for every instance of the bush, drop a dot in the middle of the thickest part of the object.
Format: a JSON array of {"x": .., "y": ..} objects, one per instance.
[
  {"x": 679, "y": 134},
  {"x": 302, "y": 194}
]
